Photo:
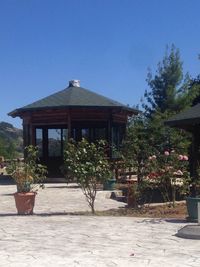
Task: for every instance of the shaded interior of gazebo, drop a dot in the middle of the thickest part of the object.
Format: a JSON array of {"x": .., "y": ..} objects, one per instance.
[{"x": 75, "y": 113}]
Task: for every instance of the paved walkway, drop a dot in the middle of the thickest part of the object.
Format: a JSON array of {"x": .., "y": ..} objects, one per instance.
[
  {"x": 47, "y": 239},
  {"x": 57, "y": 198}
]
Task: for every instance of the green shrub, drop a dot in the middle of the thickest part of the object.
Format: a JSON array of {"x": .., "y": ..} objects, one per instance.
[{"x": 86, "y": 163}]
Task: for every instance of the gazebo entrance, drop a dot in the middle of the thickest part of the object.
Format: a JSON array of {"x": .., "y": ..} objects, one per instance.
[{"x": 50, "y": 142}]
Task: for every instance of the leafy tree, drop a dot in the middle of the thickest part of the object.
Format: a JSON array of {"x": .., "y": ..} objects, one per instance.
[
  {"x": 137, "y": 145},
  {"x": 7, "y": 149},
  {"x": 166, "y": 138},
  {"x": 2, "y": 148},
  {"x": 11, "y": 141},
  {"x": 11, "y": 150},
  {"x": 87, "y": 164},
  {"x": 137, "y": 148}
]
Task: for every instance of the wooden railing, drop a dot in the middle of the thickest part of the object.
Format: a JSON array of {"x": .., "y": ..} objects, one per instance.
[{"x": 121, "y": 172}]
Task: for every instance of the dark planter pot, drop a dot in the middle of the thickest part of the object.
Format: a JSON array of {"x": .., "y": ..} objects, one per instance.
[
  {"x": 192, "y": 207},
  {"x": 25, "y": 203},
  {"x": 109, "y": 185}
]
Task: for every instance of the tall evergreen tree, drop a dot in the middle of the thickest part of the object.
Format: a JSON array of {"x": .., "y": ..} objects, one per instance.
[
  {"x": 168, "y": 95},
  {"x": 168, "y": 86}
]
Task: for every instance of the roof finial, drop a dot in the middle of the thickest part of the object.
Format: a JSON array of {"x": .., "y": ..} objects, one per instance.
[{"x": 74, "y": 83}]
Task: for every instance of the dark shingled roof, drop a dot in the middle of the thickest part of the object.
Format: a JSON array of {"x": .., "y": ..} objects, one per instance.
[
  {"x": 72, "y": 97},
  {"x": 188, "y": 117}
]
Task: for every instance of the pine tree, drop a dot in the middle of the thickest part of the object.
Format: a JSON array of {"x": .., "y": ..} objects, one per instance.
[
  {"x": 168, "y": 87},
  {"x": 168, "y": 95}
]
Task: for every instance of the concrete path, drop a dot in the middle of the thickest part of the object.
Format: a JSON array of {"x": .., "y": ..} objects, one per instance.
[
  {"x": 53, "y": 240},
  {"x": 57, "y": 198}
]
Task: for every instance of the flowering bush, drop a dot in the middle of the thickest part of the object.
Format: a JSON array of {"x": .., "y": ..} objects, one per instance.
[
  {"x": 168, "y": 171},
  {"x": 87, "y": 164}
]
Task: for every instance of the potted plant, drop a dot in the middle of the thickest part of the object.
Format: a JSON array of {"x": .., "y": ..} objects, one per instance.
[{"x": 28, "y": 175}]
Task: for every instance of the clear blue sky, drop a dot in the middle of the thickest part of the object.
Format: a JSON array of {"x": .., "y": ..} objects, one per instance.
[{"x": 107, "y": 44}]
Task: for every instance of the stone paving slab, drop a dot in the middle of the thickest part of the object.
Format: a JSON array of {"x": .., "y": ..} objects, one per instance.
[
  {"x": 46, "y": 239},
  {"x": 93, "y": 241}
]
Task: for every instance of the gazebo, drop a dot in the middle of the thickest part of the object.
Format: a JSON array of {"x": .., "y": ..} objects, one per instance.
[
  {"x": 75, "y": 113},
  {"x": 189, "y": 120}
]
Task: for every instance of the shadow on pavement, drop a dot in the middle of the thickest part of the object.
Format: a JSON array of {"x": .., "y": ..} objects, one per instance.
[
  {"x": 176, "y": 220},
  {"x": 159, "y": 220},
  {"x": 48, "y": 214},
  {"x": 62, "y": 186}
]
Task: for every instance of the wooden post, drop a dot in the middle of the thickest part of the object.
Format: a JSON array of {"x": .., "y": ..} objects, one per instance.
[
  {"x": 110, "y": 135},
  {"x": 26, "y": 136},
  {"x": 198, "y": 212},
  {"x": 32, "y": 135},
  {"x": 195, "y": 159},
  {"x": 69, "y": 124}
]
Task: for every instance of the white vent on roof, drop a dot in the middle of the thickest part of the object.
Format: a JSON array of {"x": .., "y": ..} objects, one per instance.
[{"x": 74, "y": 83}]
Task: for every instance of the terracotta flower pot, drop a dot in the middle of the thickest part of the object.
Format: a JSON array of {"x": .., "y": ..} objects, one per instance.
[{"x": 25, "y": 202}]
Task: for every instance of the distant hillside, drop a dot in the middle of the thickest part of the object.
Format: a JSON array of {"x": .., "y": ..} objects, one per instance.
[{"x": 11, "y": 140}]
